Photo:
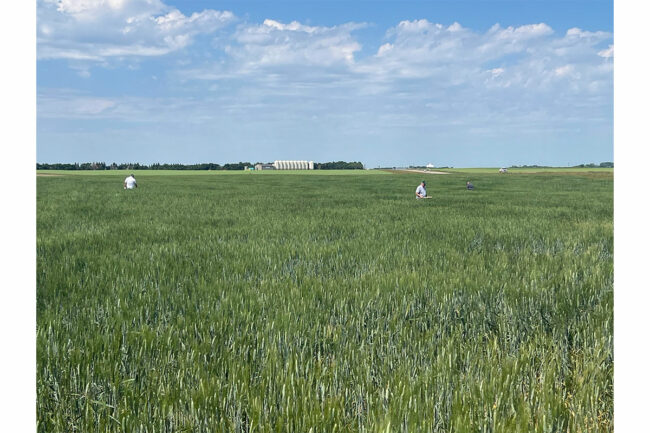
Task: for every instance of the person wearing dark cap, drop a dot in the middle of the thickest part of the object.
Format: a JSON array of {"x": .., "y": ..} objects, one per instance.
[{"x": 421, "y": 192}]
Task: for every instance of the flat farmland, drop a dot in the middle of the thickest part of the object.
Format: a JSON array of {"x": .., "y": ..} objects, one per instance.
[
  {"x": 594, "y": 171},
  {"x": 255, "y": 302}
]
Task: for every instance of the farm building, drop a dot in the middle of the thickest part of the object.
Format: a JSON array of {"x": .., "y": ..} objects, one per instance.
[
  {"x": 264, "y": 167},
  {"x": 294, "y": 165}
]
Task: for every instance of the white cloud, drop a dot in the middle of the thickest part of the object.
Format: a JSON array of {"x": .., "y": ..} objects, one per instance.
[
  {"x": 577, "y": 33},
  {"x": 521, "y": 33},
  {"x": 607, "y": 53},
  {"x": 294, "y": 26},
  {"x": 455, "y": 27},
  {"x": 93, "y": 10},
  {"x": 418, "y": 49},
  {"x": 100, "y": 29},
  {"x": 496, "y": 72},
  {"x": 276, "y": 44},
  {"x": 385, "y": 48},
  {"x": 564, "y": 70}
]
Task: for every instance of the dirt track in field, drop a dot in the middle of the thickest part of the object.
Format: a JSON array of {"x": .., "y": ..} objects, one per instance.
[{"x": 416, "y": 171}]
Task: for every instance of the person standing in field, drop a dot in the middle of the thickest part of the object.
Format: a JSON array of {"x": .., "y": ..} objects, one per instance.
[
  {"x": 130, "y": 183},
  {"x": 470, "y": 186},
  {"x": 421, "y": 191}
]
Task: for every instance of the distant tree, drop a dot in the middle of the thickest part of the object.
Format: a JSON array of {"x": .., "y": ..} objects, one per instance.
[{"x": 607, "y": 164}]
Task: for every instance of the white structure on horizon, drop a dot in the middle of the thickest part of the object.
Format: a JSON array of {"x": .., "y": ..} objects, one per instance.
[
  {"x": 429, "y": 165},
  {"x": 294, "y": 165}
]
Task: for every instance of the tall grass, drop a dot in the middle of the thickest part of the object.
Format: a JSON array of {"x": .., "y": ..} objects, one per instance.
[{"x": 324, "y": 303}]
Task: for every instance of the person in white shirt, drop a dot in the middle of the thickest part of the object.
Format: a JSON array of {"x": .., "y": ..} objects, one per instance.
[
  {"x": 421, "y": 192},
  {"x": 130, "y": 183}
]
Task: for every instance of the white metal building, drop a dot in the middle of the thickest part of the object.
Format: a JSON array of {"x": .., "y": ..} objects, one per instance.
[
  {"x": 294, "y": 165},
  {"x": 264, "y": 167}
]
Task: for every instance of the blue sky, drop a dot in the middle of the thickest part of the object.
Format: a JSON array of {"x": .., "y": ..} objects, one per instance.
[{"x": 453, "y": 83}]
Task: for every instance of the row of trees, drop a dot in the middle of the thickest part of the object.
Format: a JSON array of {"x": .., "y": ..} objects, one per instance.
[
  {"x": 602, "y": 165},
  {"x": 338, "y": 165},
  {"x": 591, "y": 165}
]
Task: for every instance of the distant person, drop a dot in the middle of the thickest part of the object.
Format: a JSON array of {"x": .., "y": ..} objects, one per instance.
[
  {"x": 470, "y": 186},
  {"x": 130, "y": 183},
  {"x": 421, "y": 191}
]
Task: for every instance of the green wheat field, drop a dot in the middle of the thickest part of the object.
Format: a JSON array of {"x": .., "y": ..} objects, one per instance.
[{"x": 313, "y": 302}]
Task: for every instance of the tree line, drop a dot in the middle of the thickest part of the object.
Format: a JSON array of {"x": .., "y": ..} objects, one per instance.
[
  {"x": 601, "y": 165},
  {"x": 590, "y": 165},
  {"x": 337, "y": 165}
]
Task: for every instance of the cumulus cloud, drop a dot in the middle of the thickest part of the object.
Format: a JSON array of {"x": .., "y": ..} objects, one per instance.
[
  {"x": 273, "y": 43},
  {"x": 497, "y": 71},
  {"x": 101, "y": 29},
  {"x": 420, "y": 48},
  {"x": 563, "y": 71},
  {"x": 607, "y": 53},
  {"x": 93, "y": 9}
]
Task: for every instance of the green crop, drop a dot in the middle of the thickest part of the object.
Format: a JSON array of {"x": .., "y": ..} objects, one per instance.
[{"x": 322, "y": 303}]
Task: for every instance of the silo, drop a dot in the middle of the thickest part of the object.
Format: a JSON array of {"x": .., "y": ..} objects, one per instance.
[{"x": 311, "y": 165}]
